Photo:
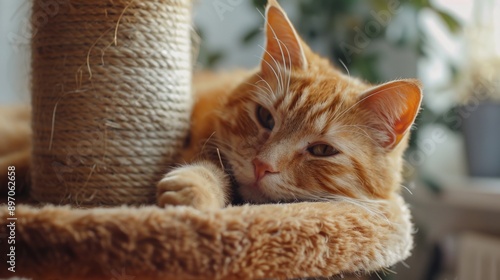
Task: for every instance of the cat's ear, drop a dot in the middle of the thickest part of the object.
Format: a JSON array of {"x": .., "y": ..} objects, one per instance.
[
  {"x": 394, "y": 107},
  {"x": 283, "y": 45}
]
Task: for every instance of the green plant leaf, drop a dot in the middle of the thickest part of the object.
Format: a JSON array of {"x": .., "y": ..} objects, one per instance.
[
  {"x": 420, "y": 4},
  {"x": 214, "y": 57},
  {"x": 251, "y": 35},
  {"x": 451, "y": 22},
  {"x": 260, "y": 4}
]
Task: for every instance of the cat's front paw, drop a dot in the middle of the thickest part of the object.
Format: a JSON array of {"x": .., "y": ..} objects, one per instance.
[{"x": 190, "y": 186}]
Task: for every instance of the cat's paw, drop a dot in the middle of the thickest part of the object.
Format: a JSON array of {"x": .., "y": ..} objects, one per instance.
[{"x": 189, "y": 186}]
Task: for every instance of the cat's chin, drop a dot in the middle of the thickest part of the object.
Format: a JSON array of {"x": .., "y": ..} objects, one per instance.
[{"x": 253, "y": 194}]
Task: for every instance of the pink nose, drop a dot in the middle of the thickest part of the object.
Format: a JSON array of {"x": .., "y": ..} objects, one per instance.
[{"x": 262, "y": 169}]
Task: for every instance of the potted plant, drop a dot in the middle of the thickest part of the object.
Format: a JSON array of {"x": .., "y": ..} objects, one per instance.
[{"x": 481, "y": 110}]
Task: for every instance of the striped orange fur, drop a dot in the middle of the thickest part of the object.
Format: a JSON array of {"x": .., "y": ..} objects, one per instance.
[{"x": 295, "y": 129}]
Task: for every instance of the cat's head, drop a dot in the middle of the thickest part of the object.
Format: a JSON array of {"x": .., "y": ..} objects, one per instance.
[{"x": 299, "y": 129}]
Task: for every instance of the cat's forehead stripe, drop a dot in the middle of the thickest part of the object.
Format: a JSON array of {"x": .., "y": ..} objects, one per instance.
[
  {"x": 295, "y": 94},
  {"x": 309, "y": 93},
  {"x": 321, "y": 122}
]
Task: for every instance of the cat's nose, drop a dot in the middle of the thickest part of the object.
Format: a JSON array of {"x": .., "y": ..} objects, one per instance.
[{"x": 261, "y": 169}]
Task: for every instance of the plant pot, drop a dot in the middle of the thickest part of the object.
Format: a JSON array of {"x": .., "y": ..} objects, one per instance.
[{"x": 481, "y": 128}]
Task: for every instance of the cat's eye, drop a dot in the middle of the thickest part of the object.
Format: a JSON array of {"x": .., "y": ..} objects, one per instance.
[
  {"x": 322, "y": 150},
  {"x": 265, "y": 117}
]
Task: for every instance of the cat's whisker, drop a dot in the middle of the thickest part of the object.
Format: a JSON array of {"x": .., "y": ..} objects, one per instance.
[
  {"x": 388, "y": 270},
  {"x": 369, "y": 206},
  {"x": 345, "y": 67},
  {"x": 289, "y": 72},
  {"x": 280, "y": 44},
  {"x": 260, "y": 97},
  {"x": 259, "y": 88},
  {"x": 274, "y": 69},
  {"x": 356, "y": 129},
  {"x": 206, "y": 141},
  {"x": 220, "y": 159},
  {"x": 262, "y": 92},
  {"x": 228, "y": 151},
  {"x": 287, "y": 192},
  {"x": 366, "y": 204},
  {"x": 363, "y": 133},
  {"x": 405, "y": 264},
  {"x": 218, "y": 144},
  {"x": 406, "y": 188},
  {"x": 275, "y": 73},
  {"x": 275, "y": 36},
  {"x": 268, "y": 89},
  {"x": 264, "y": 80},
  {"x": 360, "y": 126},
  {"x": 348, "y": 74},
  {"x": 222, "y": 148},
  {"x": 294, "y": 197}
]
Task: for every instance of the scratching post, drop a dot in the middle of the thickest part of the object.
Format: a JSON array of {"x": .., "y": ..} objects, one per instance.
[{"x": 111, "y": 97}]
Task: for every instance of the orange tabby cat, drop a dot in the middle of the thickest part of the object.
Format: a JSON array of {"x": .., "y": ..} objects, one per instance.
[{"x": 295, "y": 129}]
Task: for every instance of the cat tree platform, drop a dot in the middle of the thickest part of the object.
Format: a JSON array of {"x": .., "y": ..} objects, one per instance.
[{"x": 246, "y": 242}]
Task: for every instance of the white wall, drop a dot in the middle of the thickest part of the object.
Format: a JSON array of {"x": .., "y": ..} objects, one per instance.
[
  {"x": 224, "y": 23},
  {"x": 14, "y": 51},
  {"x": 223, "y": 29}
]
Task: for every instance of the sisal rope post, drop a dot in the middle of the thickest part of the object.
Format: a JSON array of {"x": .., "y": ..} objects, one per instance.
[{"x": 111, "y": 83}]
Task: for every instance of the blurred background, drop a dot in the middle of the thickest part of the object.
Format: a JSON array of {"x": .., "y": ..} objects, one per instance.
[{"x": 453, "y": 46}]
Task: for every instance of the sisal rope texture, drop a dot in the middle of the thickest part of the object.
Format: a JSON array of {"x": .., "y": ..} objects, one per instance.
[{"x": 111, "y": 98}]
